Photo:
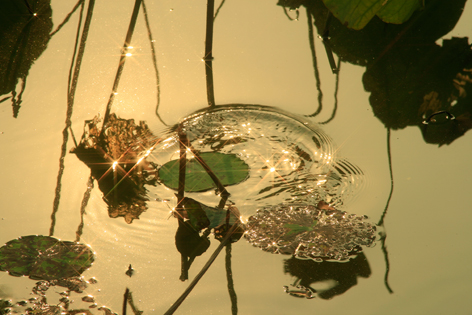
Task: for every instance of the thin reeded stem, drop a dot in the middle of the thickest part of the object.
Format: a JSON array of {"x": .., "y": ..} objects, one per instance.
[
  {"x": 73, "y": 79},
  {"x": 389, "y": 154},
  {"x": 66, "y": 19},
  {"x": 154, "y": 62},
  {"x": 218, "y": 10},
  {"x": 83, "y": 205},
  {"x": 208, "y": 58},
  {"x": 121, "y": 64},
  {"x": 229, "y": 278},
  {"x": 311, "y": 41},
  {"x": 336, "y": 90},
  {"x": 197, "y": 278},
  {"x": 382, "y": 219}
]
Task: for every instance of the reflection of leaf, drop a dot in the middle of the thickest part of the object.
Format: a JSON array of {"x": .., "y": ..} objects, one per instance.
[
  {"x": 23, "y": 38},
  {"x": 229, "y": 169},
  {"x": 44, "y": 257},
  {"x": 196, "y": 215},
  {"x": 356, "y": 14},
  {"x": 202, "y": 216}
]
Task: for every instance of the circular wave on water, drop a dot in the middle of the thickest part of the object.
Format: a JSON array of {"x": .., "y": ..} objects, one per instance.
[{"x": 290, "y": 159}]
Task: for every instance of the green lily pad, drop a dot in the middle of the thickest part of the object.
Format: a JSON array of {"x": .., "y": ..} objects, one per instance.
[
  {"x": 356, "y": 14},
  {"x": 229, "y": 169},
  {"x": 5, "y": 306},
  {"x": 45, "y": 258}
]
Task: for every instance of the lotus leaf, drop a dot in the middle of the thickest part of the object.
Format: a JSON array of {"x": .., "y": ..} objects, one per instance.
[
  {"x": 44, "y": 257},
  {"x": 229, "y": 169}
]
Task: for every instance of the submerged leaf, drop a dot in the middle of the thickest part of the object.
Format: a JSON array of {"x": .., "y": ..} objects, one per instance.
[
  {"x": 45, "y": 257},
  {"x": 229, "y": 169}
]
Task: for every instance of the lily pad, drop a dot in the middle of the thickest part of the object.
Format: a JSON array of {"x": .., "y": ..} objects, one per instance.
[
  {"x": 44, "y": 257},
  {"x": 356, "y": 14},
  {"x": 229, "y": 169},
  {"x": 309, "y": 232},
  {"x": 5, "y": 307}
]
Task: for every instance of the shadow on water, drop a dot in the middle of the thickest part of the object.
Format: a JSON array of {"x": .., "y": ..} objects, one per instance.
[
  {"x": 309, "y": 272},
  {"x": 410, "y": 77}
]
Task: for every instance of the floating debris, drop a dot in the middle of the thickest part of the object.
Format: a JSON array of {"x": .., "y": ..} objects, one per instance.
[
  {"x": 130, "y": 271},
  {"x": 88, "y": 299}
]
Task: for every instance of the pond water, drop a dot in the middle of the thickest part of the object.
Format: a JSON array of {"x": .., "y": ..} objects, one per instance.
[{"x": 382, "y": 140}]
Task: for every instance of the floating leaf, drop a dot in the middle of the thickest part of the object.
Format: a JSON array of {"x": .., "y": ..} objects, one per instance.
[
  {"x": 356, "y": 14},
  {"x": 44, "y": 257},
  {"x": 5, "y": 307},
  {"x": 229, "y": 169},
  {"x": 309, "y": 232}
]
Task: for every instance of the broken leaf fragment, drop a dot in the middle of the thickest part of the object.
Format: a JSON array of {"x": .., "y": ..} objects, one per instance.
[
  {"x": 229, "y": 169},
  {"x": 45, "y": 258}
]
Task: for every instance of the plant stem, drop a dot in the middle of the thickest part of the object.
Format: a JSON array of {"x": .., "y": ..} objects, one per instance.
[
  {"x": 194, "y": 282},
  {"x": 121, "y": 64},
  {"x": 208, "y": 53}
]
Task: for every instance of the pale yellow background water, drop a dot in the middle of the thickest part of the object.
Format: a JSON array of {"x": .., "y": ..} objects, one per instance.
[{"x": 260, "y": 58}]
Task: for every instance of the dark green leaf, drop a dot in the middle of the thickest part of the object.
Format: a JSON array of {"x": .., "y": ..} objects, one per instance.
[
  {"x": 44, "y": 257},
  {"x": 5, "y": 306},
  {"x": 229, "y": 169},
  {"x": 356, "y": 14},
  {"x": 398, "y": 11}
]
